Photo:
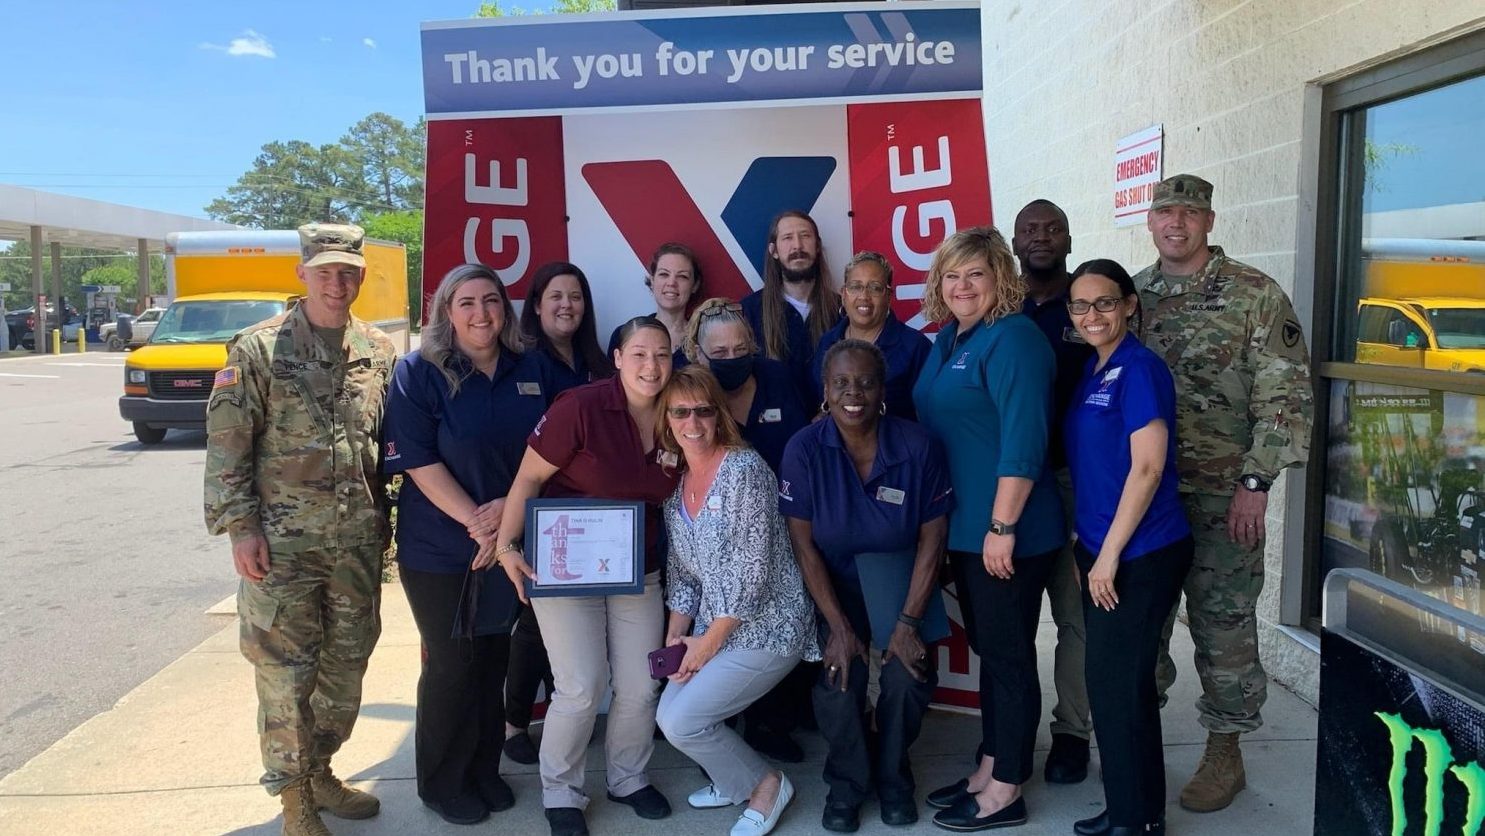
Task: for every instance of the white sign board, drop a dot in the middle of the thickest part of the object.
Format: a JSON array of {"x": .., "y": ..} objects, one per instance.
[
  {"x": 1138, "y": 162},
  {"x": 4, "y": 287}
]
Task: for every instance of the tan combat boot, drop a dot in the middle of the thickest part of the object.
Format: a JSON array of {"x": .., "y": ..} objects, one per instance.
[
  {"x": 301, "y": 818},
  {"x": 342, "y": 801},
  {"x": 1219, "y": 777}
]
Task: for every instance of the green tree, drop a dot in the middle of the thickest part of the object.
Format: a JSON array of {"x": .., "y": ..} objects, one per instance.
[
  {"x": 494, "y": 9},
  {"x": 79, "y": 267},
  {"x": 406, "y": 228},
  {"x": 391, "y": 158},
  {"x": 291, "y": 182}
]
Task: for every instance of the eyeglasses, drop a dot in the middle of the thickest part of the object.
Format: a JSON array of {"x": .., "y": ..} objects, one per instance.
[
  {"x": 718, "y": 310},
  {"x": 1103, "y": 304},
  {"x": 873, "y": 288},
  {"x": 681, "y": 413}
]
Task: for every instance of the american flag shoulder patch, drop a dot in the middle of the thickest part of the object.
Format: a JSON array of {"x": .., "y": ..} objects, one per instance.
[{"x": 225, "y": 377}]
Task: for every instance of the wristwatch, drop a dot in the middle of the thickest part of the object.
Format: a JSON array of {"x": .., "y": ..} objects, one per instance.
[
  {"x": 1002, "y": 528},
  {"x": 1254, "y": 482}
]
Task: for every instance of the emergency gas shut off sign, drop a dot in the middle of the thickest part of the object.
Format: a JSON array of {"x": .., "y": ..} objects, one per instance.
[
  {"x": 1137, "y": 166},
  {"x": 717, "y": 58}
]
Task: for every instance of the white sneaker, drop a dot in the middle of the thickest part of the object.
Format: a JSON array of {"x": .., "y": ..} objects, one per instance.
[
  {"x": 754, "y": 823},
  {"x": 707, "y": 798}
]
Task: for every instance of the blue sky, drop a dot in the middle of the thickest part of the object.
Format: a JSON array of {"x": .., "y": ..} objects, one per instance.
[{"x": 165, "y": 108}]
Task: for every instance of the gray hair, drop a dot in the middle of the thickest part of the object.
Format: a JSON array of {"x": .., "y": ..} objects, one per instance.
[
  {"x": 438, "y": 346},
  {"x": 718, "y": 310},
  {"x": 869, "y": 257}
]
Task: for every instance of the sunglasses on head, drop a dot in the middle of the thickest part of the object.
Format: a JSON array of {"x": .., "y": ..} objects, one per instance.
[
  {"x": 718, "y": 310},
  {"x": 681, "y": 413}
]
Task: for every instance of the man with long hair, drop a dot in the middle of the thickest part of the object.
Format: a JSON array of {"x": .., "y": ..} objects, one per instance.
[{"x": 796, "y": 304}]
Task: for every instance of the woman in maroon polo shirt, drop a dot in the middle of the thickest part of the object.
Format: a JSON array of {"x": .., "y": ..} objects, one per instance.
[{"x": 599, "y": 441}]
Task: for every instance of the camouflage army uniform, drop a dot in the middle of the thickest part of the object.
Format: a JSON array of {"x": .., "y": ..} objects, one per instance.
[
  {"x": 293, "y": 454},
  {"x": 1243, "y": 406}
]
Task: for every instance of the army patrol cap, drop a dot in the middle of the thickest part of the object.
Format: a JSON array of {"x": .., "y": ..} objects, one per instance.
[
  {"x": 1182, "y": 190},
  {"x": 331, "y": 244}
]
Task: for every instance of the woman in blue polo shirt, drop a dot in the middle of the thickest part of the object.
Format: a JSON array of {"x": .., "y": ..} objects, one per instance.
[
  {"x": 761, "y": 394},
  {"x": 868, "y": 497},
  {"x": 986, "y": 391},
  {"x": 458, "y": 414},
  {"x": 866, "y": 297},
  {"x": 1134, "y": 546}
]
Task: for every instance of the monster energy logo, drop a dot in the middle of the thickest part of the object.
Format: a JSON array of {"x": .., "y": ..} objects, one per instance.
[{"x": 1437, "y": 759}]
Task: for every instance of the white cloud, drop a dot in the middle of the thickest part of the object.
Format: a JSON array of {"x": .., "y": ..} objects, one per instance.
[
  {"x": 248, "y": 43},
  {"x": 325, "y": 39},
  {"x": 369, "y": 42}
]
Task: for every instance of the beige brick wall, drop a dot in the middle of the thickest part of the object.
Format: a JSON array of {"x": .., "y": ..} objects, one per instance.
[{"x": 1228, "y": 79}]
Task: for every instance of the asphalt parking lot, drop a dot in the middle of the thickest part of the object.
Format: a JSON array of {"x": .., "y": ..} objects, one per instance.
[{"x": 107, "y": 569}]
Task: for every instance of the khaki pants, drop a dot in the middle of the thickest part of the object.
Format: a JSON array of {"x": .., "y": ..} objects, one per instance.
[
  {"x": 308, "y": 628},
  {"x": 593, "y": 641}
]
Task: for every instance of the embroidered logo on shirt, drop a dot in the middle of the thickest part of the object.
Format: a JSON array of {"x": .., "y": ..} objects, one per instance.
[
  {"x": 962, "y": 362},
  {"x": 771, "y": 416},
  {"x": 892, "y": 495},
  {"x": 1102, "y": 396},
  {"x": 539, "y": 425},
  {"x": 784, "y": 490},
  {"x": 225, "y": 377},
  {"x": 392, "y": 450},
  {"x": 528, "y": 388}
]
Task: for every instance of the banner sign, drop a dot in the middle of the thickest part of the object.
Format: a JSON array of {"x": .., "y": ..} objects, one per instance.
[
  {"x": 918, "y": 174},
  {"x": 691, "y": 59},
  {"x": 1138, "y": 161},
  {"x": 494, "y": 196}
]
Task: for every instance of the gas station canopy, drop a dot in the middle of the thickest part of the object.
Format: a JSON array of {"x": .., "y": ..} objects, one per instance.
[{"x": 79, "y": 222}]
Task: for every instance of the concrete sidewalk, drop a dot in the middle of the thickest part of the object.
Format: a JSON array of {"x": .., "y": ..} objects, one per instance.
[{"x": 179, "y": 755}]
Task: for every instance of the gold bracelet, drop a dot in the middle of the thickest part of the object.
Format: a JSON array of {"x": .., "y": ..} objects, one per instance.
[{"x": 513, "y": 546}]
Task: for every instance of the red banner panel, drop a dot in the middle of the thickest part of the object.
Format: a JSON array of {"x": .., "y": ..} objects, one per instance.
[
  {"x": 496, "y": 195},
  {"x": 918, "y": 174}
]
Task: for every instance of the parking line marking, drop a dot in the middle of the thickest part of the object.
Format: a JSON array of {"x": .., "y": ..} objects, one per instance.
[
  {"x": 13, "y": 374},
  {"x": 95, "y": 365}
]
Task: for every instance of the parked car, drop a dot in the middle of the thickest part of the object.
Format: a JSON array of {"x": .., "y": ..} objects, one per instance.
[
  {"x": 22, "y": 325},
  {"x": 142, "y": 327}
]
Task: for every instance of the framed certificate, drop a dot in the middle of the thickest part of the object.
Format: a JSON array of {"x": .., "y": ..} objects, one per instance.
[{"x": 585, "y": 547}]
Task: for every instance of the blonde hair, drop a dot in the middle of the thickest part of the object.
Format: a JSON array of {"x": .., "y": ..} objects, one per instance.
[
  {"x": 977, "y": 242},
  {"x": 439, "y": 346},
  {"x": 708, "y": 315},
  {"x": 697, "y": 382}
]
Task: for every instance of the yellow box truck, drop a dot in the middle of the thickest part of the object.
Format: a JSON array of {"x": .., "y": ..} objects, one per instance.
[{"x": 221, "y": 283}]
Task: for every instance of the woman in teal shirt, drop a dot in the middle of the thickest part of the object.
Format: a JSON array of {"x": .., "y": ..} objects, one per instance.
[{"x": 986, "y": 390}]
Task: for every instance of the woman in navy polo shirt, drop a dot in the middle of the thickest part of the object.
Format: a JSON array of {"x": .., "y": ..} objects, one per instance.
[
  {"x": 763, "y": 398},
  {"x": 558, "y": 323},
  {"x": 760, "y": 392},
  {"x": 868, "y": 496},
  {"x": 1134, "y": 546},
  {"x": 867, "y": 299},
  {"x": 599, "y": 441},
  {"x": 458, "y": 414},
  {"x": 986, "y": 391}
]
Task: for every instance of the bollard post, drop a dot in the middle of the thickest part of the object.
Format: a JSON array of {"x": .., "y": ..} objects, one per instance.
[
  {"x": 82, "y": 341},
  {"x": 57, "y": 341}
]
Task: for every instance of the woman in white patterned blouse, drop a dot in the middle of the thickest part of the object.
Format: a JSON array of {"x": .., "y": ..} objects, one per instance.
[{"x": 736, "y": 599}]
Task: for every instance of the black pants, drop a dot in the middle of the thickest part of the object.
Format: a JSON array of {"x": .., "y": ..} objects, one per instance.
[
  {"x": 529, "y": 668},
  {"x": 1123, "y": 646},
  {"x": 461, "y": 709},
  {"x": 853, "y": 762},
  {"x": 779, "y": 711},
  {"x": 1000, "y": 618}
]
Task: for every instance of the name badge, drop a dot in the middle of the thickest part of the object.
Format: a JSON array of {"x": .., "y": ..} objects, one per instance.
[
  {"x": 771, "y": 416},
  {"x": 892, "y": 495},
  {"x": 714, "y": 503},
  {"x": 666, "y": 458},
  {"x": 528, "y": 388}
]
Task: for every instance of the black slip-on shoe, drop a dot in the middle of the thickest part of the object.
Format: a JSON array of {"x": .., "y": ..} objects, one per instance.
[
  {"x": 647, "y": 802},
  {"x": 520, "y": 748},
  {"x": 945, "y": 797},
  {"x": 965, "y": 817},
  {"x": 840, "y": 817}
]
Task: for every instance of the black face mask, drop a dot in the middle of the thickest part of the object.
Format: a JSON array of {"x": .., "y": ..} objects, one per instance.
[{"x": 732, "y": 372}]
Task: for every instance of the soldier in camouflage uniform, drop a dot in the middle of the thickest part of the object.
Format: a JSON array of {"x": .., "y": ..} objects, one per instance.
[
  {"x": 293, "y": 476},
  {"x": 1243, "y": 413}
]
